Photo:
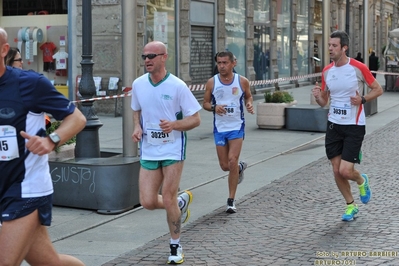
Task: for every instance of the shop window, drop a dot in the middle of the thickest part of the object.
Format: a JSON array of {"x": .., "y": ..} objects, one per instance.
[
  {"x": 161, "y": 27},
  {"x": 233, "y": 4},
  {"x": 34, "y": 7}
]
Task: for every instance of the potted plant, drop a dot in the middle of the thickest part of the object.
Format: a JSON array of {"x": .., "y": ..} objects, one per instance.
[
  {"x": 66, "y": 150},
  {"x": 270, "y": 114}
]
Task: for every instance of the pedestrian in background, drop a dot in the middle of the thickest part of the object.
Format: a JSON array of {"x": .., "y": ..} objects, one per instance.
[
  {"x": 374, "y": 63},
  {"x": 26, "y": 188},
  {"x": 359, "y": 57},
  {"x": 14, "y": 58},
  {"x": 226, "y": 95},
  {"x": 163, "y": 109},
  {"x": 343, "y": 83}
]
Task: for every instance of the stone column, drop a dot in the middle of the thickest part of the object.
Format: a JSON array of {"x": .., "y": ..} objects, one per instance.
[
  {"x": 184, "y": 40},
  {"x": 273, "y": 42},
  {"x": 294, "y": 38},
  {"x": 311, "y": 62},
  {"x": 249, "y": 50}
]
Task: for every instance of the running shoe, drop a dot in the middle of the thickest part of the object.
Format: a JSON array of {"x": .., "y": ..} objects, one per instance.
[
  {"x": 231, "y": 207},
  {"x": 185, "y": 216},
  {"x": 185, "y": 200},
  {"x": 176, "y": 254},
  {"x": 350, "y": 214},
  {"x": 243, "y": 166},
  {"x": 365, "y": 191}
]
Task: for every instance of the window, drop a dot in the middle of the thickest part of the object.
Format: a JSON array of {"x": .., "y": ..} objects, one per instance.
[
  {"x": 34, "y": 7},
  {"x": 161, "y": 27},
  {"x": 235, "y": 33}
]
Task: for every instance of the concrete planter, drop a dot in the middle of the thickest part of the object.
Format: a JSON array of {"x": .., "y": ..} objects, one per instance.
[
  {"x": 271, "y": 115},
  {"x": 108, "y": 184},
  {"x": 306, "y": 117},
  {"x": 65, "y": 152}
]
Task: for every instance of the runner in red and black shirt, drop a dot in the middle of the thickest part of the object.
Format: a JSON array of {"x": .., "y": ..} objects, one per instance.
[{"x": 342, "y": 86}]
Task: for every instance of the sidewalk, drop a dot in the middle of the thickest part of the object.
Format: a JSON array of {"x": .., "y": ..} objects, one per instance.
[{"x": 280, "y": 220}]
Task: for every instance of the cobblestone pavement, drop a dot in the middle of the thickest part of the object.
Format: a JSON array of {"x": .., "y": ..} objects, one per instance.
[{"x": 296, "y": 220}]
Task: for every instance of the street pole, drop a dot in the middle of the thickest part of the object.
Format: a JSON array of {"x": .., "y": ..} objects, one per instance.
[
  {"x": 347, "y": 12},
  {"x": 326, "y": 34},
  {"x": 366, "y": 31},
  {"x": 87, "y": 141},
  {"x": 370, "y": 107},
  {"x": 129, "y": 68}
]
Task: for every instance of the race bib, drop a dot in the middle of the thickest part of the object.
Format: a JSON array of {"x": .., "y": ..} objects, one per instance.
[
  {"x": 8, "y": 143},
  {"x": 340, "y": 110},
  {"x": 156, "y": 136},
  {"x": 230, "y": 110}
]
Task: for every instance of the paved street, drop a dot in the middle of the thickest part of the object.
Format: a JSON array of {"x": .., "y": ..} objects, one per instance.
[
  {"x": 295, "y": 220},
  {"x": 289, "y": 208}
]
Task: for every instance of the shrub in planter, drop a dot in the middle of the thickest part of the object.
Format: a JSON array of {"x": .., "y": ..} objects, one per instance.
[
  {"x": 52, "y": 128},
  {"x": 271, "y": 113},
  {"x": 278, "y": 97}
]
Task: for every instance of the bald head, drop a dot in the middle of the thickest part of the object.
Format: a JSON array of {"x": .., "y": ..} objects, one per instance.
[
  {"x": 4, "y": 46},
  {"x": 3, "y": 36},
  {"x": 156, "y": 46}
]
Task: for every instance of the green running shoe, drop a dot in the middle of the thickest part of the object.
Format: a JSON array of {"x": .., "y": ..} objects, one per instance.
[
  {"x": 351, "y": 211},
  {"x": 365, "y": 191}
]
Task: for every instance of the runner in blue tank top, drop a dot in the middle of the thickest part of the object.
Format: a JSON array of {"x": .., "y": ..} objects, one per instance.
[{"x": 226, "y": 95}]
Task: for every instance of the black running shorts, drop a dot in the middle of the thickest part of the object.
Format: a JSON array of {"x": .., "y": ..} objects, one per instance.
[
  {"x": 344, "y": 140},
  {"x": 14, "y": 208}
]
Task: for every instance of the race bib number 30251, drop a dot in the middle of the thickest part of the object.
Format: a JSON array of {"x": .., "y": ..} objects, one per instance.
[{"x": 156, "y": 136}]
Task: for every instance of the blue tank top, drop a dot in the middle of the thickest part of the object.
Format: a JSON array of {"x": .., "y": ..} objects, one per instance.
[{"x": 231, "y": 95}]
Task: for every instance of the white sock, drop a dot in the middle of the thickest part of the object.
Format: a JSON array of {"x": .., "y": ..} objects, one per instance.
[{"x": 174, "y": 241}]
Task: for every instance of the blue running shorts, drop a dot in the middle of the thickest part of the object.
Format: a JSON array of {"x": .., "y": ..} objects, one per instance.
[
  {"x": 14, "y": 208},
  {"x": 222, "y": 138}
]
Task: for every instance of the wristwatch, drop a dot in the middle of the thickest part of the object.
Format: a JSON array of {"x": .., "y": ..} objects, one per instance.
[
  {"x": 363, "y": 100},
  {"x": 213, "y": 107},
  {"x": 55, "y": 138}
]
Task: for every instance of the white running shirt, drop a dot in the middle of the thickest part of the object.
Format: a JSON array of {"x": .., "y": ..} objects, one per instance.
[
  {"x": 343, "y": 82},
  {"x": 170, "y": 99}
]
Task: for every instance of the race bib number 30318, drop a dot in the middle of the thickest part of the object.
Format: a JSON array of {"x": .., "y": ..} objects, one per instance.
[{"x": 340, "y": 111}]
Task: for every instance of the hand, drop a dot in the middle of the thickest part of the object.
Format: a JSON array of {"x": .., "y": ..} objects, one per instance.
[
  {"x": 357, "y": 99},
  {"x": 137, "y": 133},
  {"x": 316, "y": 91},
  {"x": 37, "y": 144},
  {"x": 220, "y": 109},
  {"x": 166, "y": 126},
  {"x": 250, "y": 108}
]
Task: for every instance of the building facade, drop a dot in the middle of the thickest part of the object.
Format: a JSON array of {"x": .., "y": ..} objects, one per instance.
[{"x": 270, "y": 38}]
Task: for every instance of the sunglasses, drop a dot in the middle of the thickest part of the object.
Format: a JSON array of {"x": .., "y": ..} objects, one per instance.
[
  {"x": 17, "y": 60},
  {"x": 150, "y": 56}
]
